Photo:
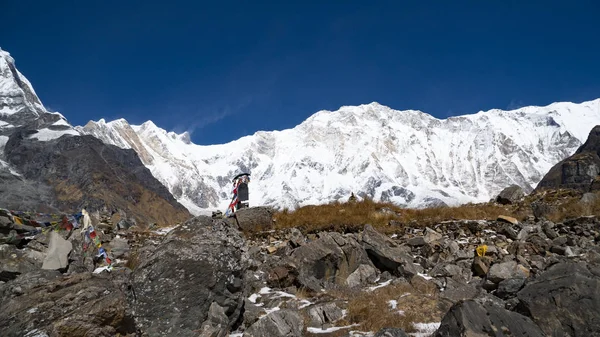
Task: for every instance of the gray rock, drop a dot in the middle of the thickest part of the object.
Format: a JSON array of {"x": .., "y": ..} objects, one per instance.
[
  {"x": 200, "y": 262},
  {"x": 216, "y": 324},
  {"x": 252, "y": 313},
  {"x": 472, "y": 319},
  {"x": 363, "y": 274},
  {"x": 457, "y": 291},
  {"x": 255, "y": 219},
  {"x": 282, "y": 323},
  {"x": 510, "y": 287},
  {"x": 564, "y": 300},
  {"x": 453, "y": 247},
  {"x": 416, "y": 241},
  {"x": 589, "y": 197},
  {"x": 386, "y": 254},
  {"x": 326, "y": 313},
  {"x": 14, "y": 261},
  {"x": 57, "y": 256},
  {"x": 510, "y": 195},
  {"x": 118, "y": 247},
  {"x": 296, "y": 238},
  {"x": 431, "y": 236},
  {"x": 391, "y": 332},
  {"x": 329, "y": 260},
  {"x": 83, "y": 304},
  {"x": 505, "y": 270}
]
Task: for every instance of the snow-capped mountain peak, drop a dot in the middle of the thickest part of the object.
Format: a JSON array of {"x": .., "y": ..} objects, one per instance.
[
  {"x": 408, "y": 157},
  {"x": 20, "y": 107}
]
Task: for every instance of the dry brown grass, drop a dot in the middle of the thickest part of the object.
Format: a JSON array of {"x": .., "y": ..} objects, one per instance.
[
  {"x": 352, "y": 217},
  {"x": 372, "y": 310},
  {"x": 573, "y": 209},
  {"x": 337, "y": 216}
]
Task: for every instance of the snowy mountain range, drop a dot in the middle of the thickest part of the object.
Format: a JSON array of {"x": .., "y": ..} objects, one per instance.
[{"x": 406, "y": 157}]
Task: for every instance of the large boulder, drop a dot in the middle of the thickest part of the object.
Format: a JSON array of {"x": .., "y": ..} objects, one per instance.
[
  {"x": 564, "y": 300},
  {"x": 472, "y": 319},
  {"x": 506, "y": 270},
  {"x": 578, "y": 171},
  {"x": 14, "y": 261},
  {"x": 57, "y": 256},
  {"x": 510, "y": 195},
  {"x": 44, "y": 303},
  {"x": 282, "y": 323},
  {"x": 199, "y": 263},
  {"x": 254, "y": 219},
  {"x": 331, "y": 259},
  {"x": 386, "y": 254}
]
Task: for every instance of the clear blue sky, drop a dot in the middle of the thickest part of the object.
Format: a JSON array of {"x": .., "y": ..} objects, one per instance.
[{"x": 226, "y": 69}]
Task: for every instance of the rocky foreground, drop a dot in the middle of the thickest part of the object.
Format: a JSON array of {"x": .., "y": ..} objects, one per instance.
[{"x": 206, "y": 277}]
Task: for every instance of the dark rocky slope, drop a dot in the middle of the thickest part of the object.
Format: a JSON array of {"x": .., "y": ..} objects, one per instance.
[
  {"x": 579, "y": 171},
  {"x": 82, "y": 172},
  {"x": 204, "y": 278}
]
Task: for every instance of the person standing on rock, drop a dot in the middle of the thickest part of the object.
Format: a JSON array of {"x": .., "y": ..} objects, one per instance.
[{"x": 240, "y": 193}]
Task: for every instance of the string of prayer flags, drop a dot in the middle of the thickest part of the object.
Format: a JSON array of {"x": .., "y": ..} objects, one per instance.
[{"x": 92, "y": 237}]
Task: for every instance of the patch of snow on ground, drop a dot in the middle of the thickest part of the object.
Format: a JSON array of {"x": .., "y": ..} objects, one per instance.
[
  {"x": 268, "y": 311},
  {"x": 305, "y": 303},
  {"x": 237, "y": 334},
  {"x": 425, "y": 276},
  {"x": 393, "y": 304},
  {"x": 253, "y": 298},
  {"x": 36, "y": 333},
  {"x": 380, "y": 285},
  {"x": 329, "y": 330},
  {"x": 164, "y": 231},
  {"x": 283, "y": 294},
  {"x": 264, "y": 290},
  {"x": 32, "y": 310},
  {"x": 101, "y": 269},
  {"x": 424, "y": 329}
]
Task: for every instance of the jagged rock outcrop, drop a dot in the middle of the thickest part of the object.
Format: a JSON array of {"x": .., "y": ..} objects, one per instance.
[
  {"x": 282, "y": 323},
  {"x": 470, "y": 319},
  {"x": 331, "y": 259},
  {"x": 386, "y": 254},
  {"x": 44, "y": 303},
  {"x": 565, "y": 300},
  {"x": 199, "y": 263},
  {"x": 86, "y": 173},
  {"x": 579, "y": 171},
  {"x": 510, "y": 195}
]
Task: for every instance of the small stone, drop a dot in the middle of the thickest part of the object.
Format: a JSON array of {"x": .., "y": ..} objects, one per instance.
[
  {"x": 510, "y": 287},
  {"x": 271, "y": 249},
  {"x": 416, "y": 241},
  {"x": 480, "y": 266},
  {"x": 431, "y": 236},
  {"x": 508, "y": 219},
  {"x": 560, "y": 241},
  {"x": 505, "y": 270}
]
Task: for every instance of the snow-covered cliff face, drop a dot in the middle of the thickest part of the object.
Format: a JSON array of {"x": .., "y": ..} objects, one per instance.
[
  {"x": 407, "y": 157},
  {"x": 20, "y": 108}
]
